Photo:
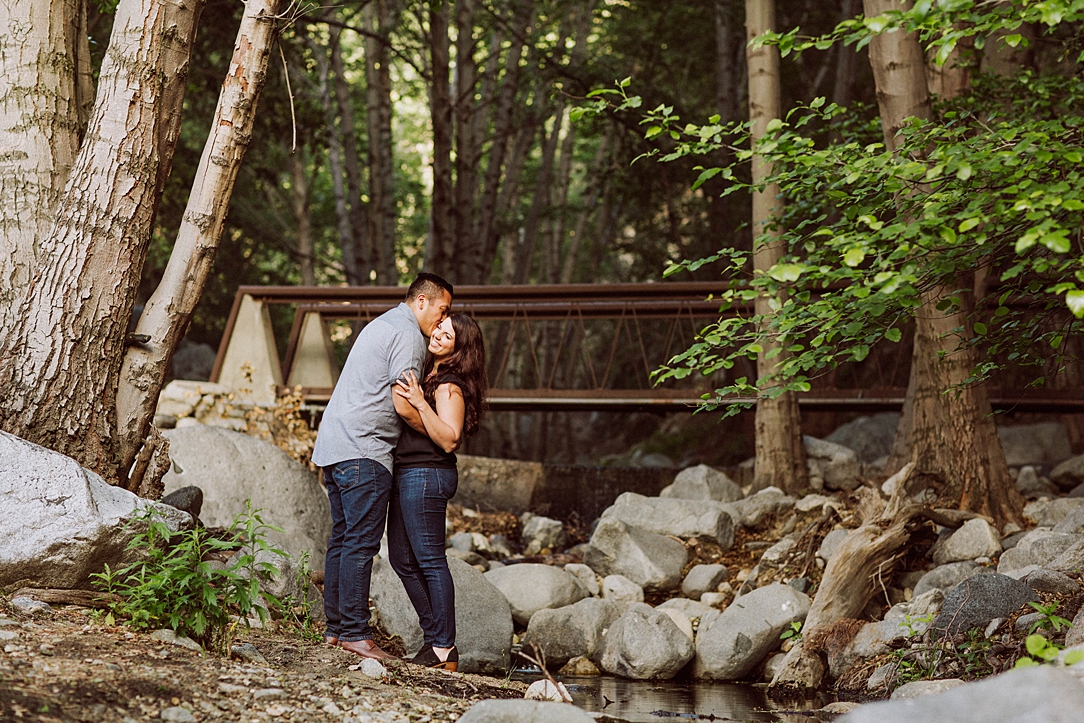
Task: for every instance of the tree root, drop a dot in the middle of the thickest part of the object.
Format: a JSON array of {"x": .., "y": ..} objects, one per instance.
[{"x": 150, "y": 466}]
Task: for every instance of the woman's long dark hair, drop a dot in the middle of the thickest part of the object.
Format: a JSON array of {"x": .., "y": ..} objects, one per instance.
[{"x": 468, "y": 362}]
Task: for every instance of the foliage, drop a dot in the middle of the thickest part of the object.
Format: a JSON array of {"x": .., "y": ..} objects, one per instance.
[
  {"x": 792, "y": 631},
  {"x": 174, "y": 586},
  {"x": 1048, "y": 620},
  {"x": 1040, "y": 650},
  {"x": 284, "y": 425}
]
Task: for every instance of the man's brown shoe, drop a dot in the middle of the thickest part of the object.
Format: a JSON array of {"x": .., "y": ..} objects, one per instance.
[
  {"x": 365, "y": 649},
  {"x": 331, "y": 640}
]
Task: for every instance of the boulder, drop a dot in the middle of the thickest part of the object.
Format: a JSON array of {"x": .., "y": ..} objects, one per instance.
[
  {"x": 835, "y": 466},
  {"x": 1072, "y": 523},
  {"x": 668, "y": 516},
  {"x": 831, "y": 543},
  {"x": 60, "y": 523},
  {"x": 1051, "y": 581},
  {"x": 186, "y": 499},
  {"x": 571, "y": 631},
  {"x": 1029, "y": 484},
  {"x": 758, "y": 510},
  {"x": 524, "y": 711},
  {"x": 923, "y": 688},
  {"x": 621, "y": 590},
  {"x": 1075, "y": 634},
  {"x": 1069, "y": 473},
  {"x": 703, "y": 578},
  {"x": 946, "y": 577},
  {"x": 541, "y": 533},
  {"x": 703, "y": 483},
  {"x": 232, "y": 468},
  {"x": 1037, "y": 547},
  {"x": 690, "y": 608},
  {"x": 1048, "y": 513},
  {"x": 646, "y": 558},
  {"x": 531, "y": 587},
  {"x": 870, "y": 437},
  {"x": 1070, "y": 561},
  {"x": 483, "y": 618},
  {"x": 1045, "y": 443},
  {"x": 1030, "y": 695},
  {"x": 902, "y": 621},
  {"x": 975, "y": 538},
  {"x": 978, "y": 600},
  {"x": 685, "y": 625},
  {"x": 644, "y": 644},
  {"x": 743, "y": 635},
  {"x": 586, "y": 577}
]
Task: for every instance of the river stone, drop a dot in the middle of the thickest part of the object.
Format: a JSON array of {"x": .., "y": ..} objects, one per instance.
[
  {"x": 1070, "y": 561},
  {"x": 585, "y": 576},
  {"x": 1044, "y": 443},
  {"x": 870, "y": 437},
  {"x": 1052, "y": 581},
  {"x": 186, "y": 499},
  {"x": 646, "y": 558},
  {"x": 60, "y": 523},
  {"x": 1069, "y": 473},
  {"x": 580, "y": 666},
  {"x": 524, "y": 711},
  {"x": 902, "y": 621},
  {"x": 570, "y": 631},
  {"x": 743, "y": 635},
  {"x": 483, "y": 617},
  {"x": 923, "y": 688},
  {"x": 1048, "y": 513},
  {"x": 644, "y": 644},
  {"x": 1037, "y": 547},
  {"x": 1043, "y": 694},
  {"x": 702, "y": 579},
  {"x": 975, "y": 538},
  {"x": 778, "y": 551},
  {"x": 541, "y": 533},
  {"x": 1075, "y": 634},
  {"x": 703, "y": 483},
  {"x": 758, "y": 510},
  {"x": 684, "y": 624},
  {"x": 622, "y": 591},
  {"x": 836, "y": 466},
  {"x": 831, "y": 543},
  {"x": 946, "y": 577},
  {"x": 232, "y": 468},
  {"x": 667, "y": 516},
  {"x": 1072, "y": 523},
  {"x": 1028, "y": 483},
  {"x": 692, "y": 609},
  {"x": 462, "y": 541},
  {"x": 978, "y": 600},
  {"x": 531, "y": 587},
  {"x": 547, "y": 690}
]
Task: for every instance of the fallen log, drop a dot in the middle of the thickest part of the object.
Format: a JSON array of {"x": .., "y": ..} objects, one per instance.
[{"x": 82, "y": 598}]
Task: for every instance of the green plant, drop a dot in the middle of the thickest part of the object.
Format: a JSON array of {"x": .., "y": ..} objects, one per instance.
[
  {"x": 173, "y": 586},
  {"x": 793, "y": 631},
  {"x": 909, "y": 623},
  {"x": 1040, "y": 650},
  {"x": 296, "y": 612},
  {"x": 1048, "y": 620}
]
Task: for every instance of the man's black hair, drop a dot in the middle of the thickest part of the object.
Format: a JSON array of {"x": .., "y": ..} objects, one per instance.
[{"x": 428, "y": 284}]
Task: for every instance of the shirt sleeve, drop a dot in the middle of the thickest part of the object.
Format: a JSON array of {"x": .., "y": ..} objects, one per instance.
[{"x": 402, "y": 357}]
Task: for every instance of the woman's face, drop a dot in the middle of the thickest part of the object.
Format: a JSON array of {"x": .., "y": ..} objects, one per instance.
[{"x": 442, "y": 342}]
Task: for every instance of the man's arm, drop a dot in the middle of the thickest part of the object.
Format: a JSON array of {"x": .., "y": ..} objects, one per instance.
[{"x": 409, "y": 414}]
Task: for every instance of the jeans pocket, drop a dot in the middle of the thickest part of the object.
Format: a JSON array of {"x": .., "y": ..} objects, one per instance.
[
  {"x": 347, "y": 475},
  {"x": 447, "y": 483}
]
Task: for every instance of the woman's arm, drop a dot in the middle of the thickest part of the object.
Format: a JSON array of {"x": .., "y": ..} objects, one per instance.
[{"x": 444, "y": 425}]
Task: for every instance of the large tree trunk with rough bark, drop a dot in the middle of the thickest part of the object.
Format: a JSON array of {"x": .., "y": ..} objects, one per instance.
[
  {"x": 60, "y": 356},
  {"x": 380, "y": 17},
  {"x": 780, "y": 454},
  {"x": 440, "y": 247}
]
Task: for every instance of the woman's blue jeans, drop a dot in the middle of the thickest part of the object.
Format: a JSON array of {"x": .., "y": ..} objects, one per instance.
[{"x": 419, "y": 503}]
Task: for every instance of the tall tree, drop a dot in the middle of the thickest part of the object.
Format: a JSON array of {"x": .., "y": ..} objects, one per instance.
[
  {"x": 381, "y": 17},
  {"x": 780, "y": 454}
]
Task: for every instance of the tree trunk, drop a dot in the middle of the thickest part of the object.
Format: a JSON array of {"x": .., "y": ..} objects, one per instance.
[
  {"x": 168, "y": 311},
  {"x": 440, "y": 248},
  {"x": 780, "y": 454},
  {"x": 59, "y": 360},
  {"x": 46, "y": 88},
  {"x": 596, "y": 182},
  {"x": 846, "y": 63},
  {"x": 468, "y": 149},
  {"x": 380, "y": 17},
  {"x": 299, "y": 202}
]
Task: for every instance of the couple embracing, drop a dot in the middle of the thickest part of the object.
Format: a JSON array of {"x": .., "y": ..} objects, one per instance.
[{"x": 386, "y": 445}]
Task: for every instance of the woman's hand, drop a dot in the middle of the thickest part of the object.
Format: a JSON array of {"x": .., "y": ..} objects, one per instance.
[{"x": 410, "y": 389}]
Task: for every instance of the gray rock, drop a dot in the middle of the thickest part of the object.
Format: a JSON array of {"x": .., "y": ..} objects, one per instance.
[
  {"x": 1072, "y": 560},
  {"x": 923, "y": 688},
  {"x": 186, "y": 499},
  {"x": 462, "y": 541},
  {"x": 1075, "y": 634},
  {"x": 1048, "y": 513},
  {"x": 285, "y": 578},
  {"x": 669, "y": 516},
  {"x": 1024, "y": 622},
  {"x": 8, "y": 635},
  {"x": 621, "y": 590},
  {"x": 1034, "y": 695},
  {"x": 644, "y": 644},
  {"x": 372, "y": 668},
  {"x": 177, "y": 714},
  {"x": 743, "y": 635},
  {"x": 772, "y": 666},
  {"x": 249, "y": 654},
  {"x": 571, "y": 631},
  {"x": 531, "y": 587},
  {"x": 1072, "y": 523},
  {"x": 702, "y": 579},
  {"x": 541, "y": 533},
  {"x": 646, "y": 558},
  {"x": 703, "y": 483},
  {"x": 831, "y": 543},
  {"x": 483, "y": 618},
  {"x": 758, "y": 510},
  {"x": 975, "y": 538},
  {"x": 30, "y": 606},
  {"x": 870, "y": 437},
  {"x": 268, "y": 694},
  {"x": 193, "y": 361},
  {"x": 1051, "y": 581},
  {"x": 60, "y": 523},
  {"x": 1029, "y": 484},
  {"x": 1037, "y": 547},
  {"x": 902, "y": 621},
  {"x": 524, "y": 711},
  {"x": 879, "y": 677},
  {"x": 1044, "y": 443},
  {"x": 978, "y": 600},
  {"x": 778, "y": 551},
  {"x": 1077, "y": 492},
  {"x": 471, "y": 558},
  {"x": 586, "y": 577},
  {"x": 815, "y": 502},
  {"x": 836, "y": 466},
  {"x": 231, "y": 468},
  {"x": 166, "y": 635},
  {"x": 690, "y": 608},
  {"x": 580, "y": 666},
  {"x": 946, "y": 577}
]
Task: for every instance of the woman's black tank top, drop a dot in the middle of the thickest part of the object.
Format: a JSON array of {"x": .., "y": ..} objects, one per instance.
[{"x": 415, "y": 449}]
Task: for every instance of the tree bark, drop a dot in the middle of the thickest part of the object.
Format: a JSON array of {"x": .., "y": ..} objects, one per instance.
[
  {"x": 60, "y": 359},
  {"x": 780, "y": 454},
  {"x": 468, "y": 149},
  {"x": 596, "y": 182},
  {"x": 168, "y": 311},
  {"x": 846, "y": 63},
  {"x": 440, "y": 248},
  {"x": 380, "y": 17},
  {"x": 299, "y": 202}
]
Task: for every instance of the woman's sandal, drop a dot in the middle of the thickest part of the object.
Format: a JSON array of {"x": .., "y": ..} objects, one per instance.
[{"x": 428, "y": 657}]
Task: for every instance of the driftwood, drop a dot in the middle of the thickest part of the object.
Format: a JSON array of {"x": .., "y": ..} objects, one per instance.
[
  {"x": 83, "y": 598},
  {"x": 853, "y": 575}
]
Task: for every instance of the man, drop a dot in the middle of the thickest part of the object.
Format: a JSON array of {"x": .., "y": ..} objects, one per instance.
[{"x": 358, "y": 433}]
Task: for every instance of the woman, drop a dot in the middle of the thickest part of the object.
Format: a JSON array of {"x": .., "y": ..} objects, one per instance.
[{"x": 449, "y": 400}]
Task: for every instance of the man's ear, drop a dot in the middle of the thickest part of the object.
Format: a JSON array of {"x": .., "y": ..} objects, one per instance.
[{"x": 422, "y": 300}]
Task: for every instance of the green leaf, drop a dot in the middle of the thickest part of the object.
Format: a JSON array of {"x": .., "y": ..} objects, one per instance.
[
  {"x": 1075, "y": 301},
  {"x": 1036, "y": 645},
  {"x": 786, "y": 272},
  {"x": 963, "y": 172},
  {"x": 1074, "y": 656},
  {"x": 980, "y": 328},
  {"x": 1025, "y": 663},
  {"x": 969, "y": 223},
  {"x": 854, "y": 256},
  {"x": 1013, "y": 40},
  {"x": 860, "y": 352},
  {"x": 893, "y": 334},
  {"x": 706, "y": 175},
  {"x": 773, "y": 125}
]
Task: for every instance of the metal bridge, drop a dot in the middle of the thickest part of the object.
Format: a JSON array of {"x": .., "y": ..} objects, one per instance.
[{"x": 551, "y": 347}]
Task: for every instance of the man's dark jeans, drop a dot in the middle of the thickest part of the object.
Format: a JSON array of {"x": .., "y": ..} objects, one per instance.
[
  {"x": 419, "y": 503},
  {"x": 358, "y": 490}
]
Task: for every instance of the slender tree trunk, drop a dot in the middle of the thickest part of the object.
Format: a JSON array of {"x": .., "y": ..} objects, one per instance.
[
  {"x": 440, "y": 248},
  {"x": 468, "y": 149},
  {"x": 846, "y": 62},
  {"x": 596, "y": 183},
  {"x": 380, "y": 18},
  {"x": 168, "y": 311},
  {"x": 949, "y": 434},
  {"x": 299, "y": 202},
  {"x": 780, "y": 454}
]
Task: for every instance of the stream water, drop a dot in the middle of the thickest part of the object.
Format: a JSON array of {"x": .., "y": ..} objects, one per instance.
[{"x": 638, "y": 701}]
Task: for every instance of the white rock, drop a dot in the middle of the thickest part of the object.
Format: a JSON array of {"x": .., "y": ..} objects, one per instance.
[
  {"x": 703, "y": 578},
  {"x": 835, "y": 464},
  {"x": 621, "y": 590},
  {"x": 531, "y": 587},
  {"x": 678, "y": 517},
  {"x": 681, "y": 620},
  {"x": 703, "y": 483},
  {"x": 585, "y": 576},
  {"x": 644, "y": 644},
  {"x": 547, "y": 690},
  {"x": 647, "y": 558},
  {"x": 975, "y": 538},
  {"x": 372, "y": 668},
  {"x": 713, "y": 599}
]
